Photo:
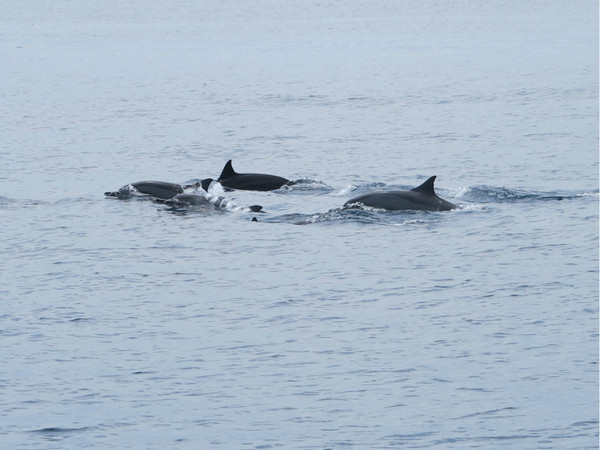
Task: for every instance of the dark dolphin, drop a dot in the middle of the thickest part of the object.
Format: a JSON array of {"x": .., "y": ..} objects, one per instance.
[
  {"x": 249, "y": 181},
  {"x": 422, "y": 198},
  {"x": 158, "y": 189}
]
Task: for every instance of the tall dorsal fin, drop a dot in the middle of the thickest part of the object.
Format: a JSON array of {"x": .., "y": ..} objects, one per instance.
[
  {"x": 427, "y": 187},
  {"x": 227, "y": 171}
]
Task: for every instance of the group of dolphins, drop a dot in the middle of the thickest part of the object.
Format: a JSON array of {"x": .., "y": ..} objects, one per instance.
[{"x": 421, "y": 198}]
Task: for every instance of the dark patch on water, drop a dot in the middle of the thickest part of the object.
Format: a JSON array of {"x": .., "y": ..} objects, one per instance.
[{"x": 57, "y": 433}]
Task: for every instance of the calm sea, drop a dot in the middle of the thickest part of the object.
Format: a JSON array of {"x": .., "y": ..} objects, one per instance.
[{"x": 132, "y": 324}]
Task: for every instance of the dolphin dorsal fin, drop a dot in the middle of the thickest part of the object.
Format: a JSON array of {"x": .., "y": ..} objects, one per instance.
[
  {"x": 206, "y": 183},
  {"x": 427, "y": 187},
  {"x": 227, "y": 171}
]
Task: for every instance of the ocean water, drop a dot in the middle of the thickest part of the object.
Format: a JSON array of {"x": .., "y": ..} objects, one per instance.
[{"x": 134, "y": 324}]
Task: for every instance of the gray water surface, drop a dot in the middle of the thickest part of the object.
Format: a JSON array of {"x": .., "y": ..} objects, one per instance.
[{"x": 133, "y": 324}]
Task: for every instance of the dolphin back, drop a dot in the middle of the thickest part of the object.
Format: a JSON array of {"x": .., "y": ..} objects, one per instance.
[
  {"x": 421, "y": 198},
  {"x": 229, "y": 178},
  {"x": 158, "y": 189}
]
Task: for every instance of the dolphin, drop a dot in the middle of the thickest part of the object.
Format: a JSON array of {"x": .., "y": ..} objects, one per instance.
[
  {"x": 421, "y": 198},
  {"x": 188, "y": 200},
  {"x": 230, "y": 179},
  {"x": 158, "y": 189},
  {"x": 194, "y": 200}
]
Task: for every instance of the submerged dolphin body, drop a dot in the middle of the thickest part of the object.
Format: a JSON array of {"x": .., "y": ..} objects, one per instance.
[
  {"x": 158, "y": 189},
  {"x": 184, "y": 200},
  {"x": 249, "y": 181},
  {"x": 421, "y": 198}
]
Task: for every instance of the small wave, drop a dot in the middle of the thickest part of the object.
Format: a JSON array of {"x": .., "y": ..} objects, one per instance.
[
  {"x": 594, "y": 194},
  {"x": 7, "y": 201},
  {"x": 495, "y": 194},
  {"x": 306, "y": 186},
  {"x": 334, "y": 215},
  {"x": 357, "y": 216},
  {"x": 80, "y": 319},
  {"x": 486, "y": 439},
  {"x": 363, "y": 188},
  {"x": 488, "y": 412},
  {"x": 471, "y": 207},
  {"x": 400, "y": 439},
  {"x": 586, "y": 423}
]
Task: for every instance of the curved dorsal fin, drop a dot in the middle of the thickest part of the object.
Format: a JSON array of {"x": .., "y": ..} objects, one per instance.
[
  {"x": 227, "y": 171},
  {"x": 206, "y": 183},
  {"x": 427, "y": 187}
]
